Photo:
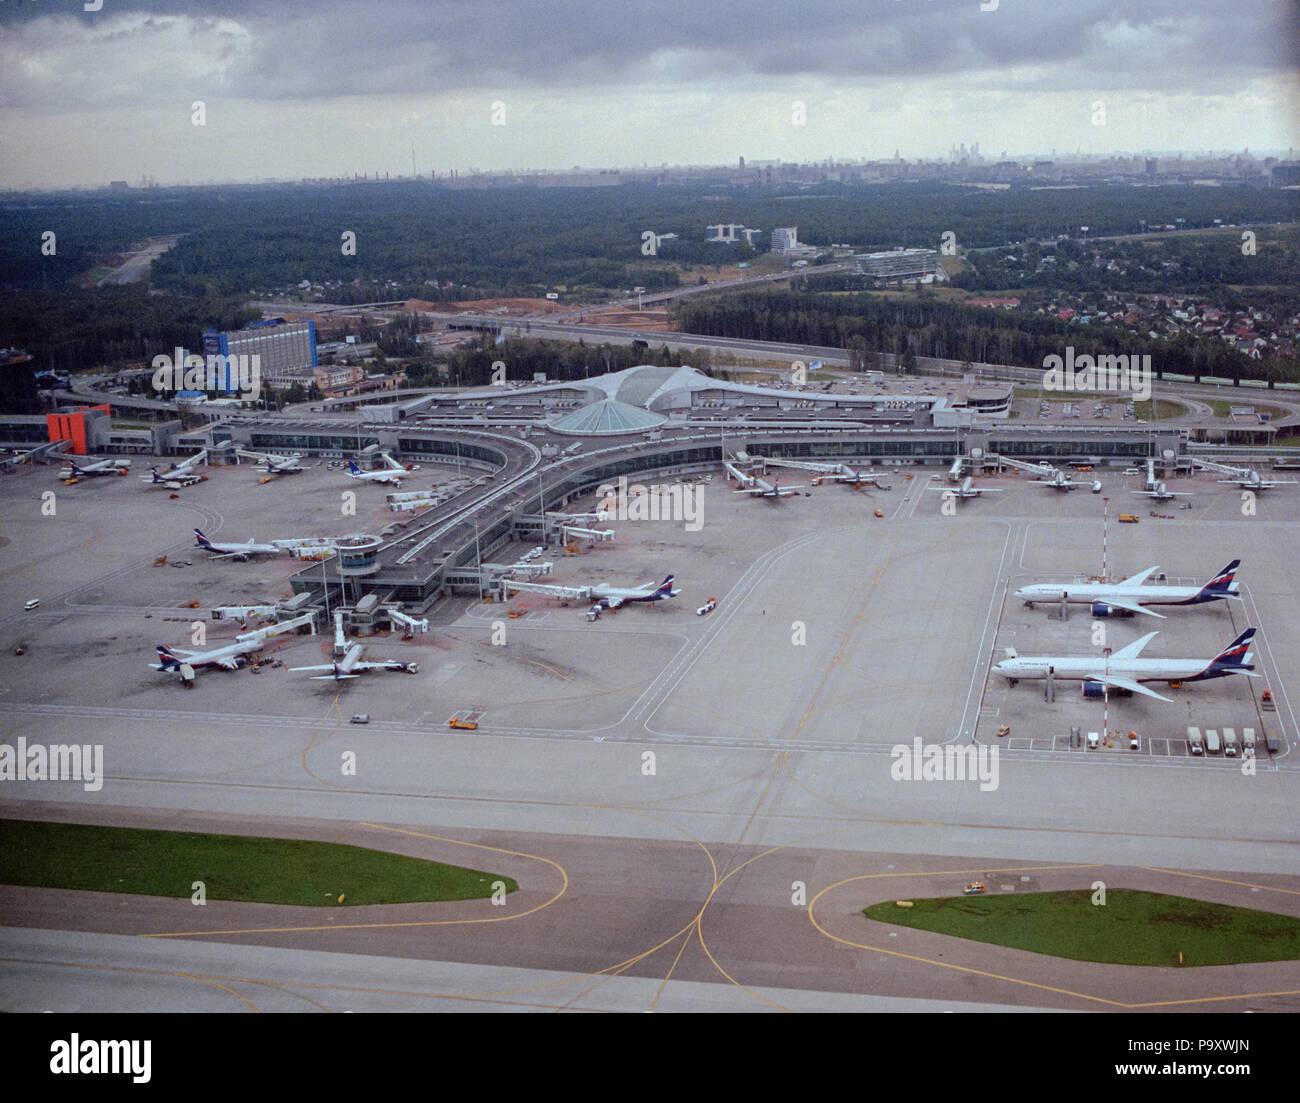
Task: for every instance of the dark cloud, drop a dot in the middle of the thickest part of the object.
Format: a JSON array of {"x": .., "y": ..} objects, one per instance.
[{"x": 362, "y": 47}]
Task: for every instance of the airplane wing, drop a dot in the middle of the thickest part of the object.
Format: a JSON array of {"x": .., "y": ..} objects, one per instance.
[
  {"x": 1127, "y": 683},
  {"x": 228, "y": 663},
  {"x": 1134, "y": 649},
  {"x": 327, "y": 666},
  {"x": 1130, "y": 604},
  {"x": 1138, "y": 579}
]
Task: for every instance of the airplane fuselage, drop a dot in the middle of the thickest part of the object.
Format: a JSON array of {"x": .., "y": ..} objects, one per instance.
[
  {"x": 1087, "y": 593},
  {"x": 1071, "y": 667}
]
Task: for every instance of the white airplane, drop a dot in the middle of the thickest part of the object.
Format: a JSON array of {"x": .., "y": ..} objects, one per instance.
[
  {"x": 1058, "y": 480},
  {"x": 393, "y": 474},
  {"x": 1245, "y": 477},
  {"x": 178, "y": 475},
  {"x": 230, "y": 657},
  {"x": 76, "y": 470},
  {"x": 605, "y": 596},
  {"x": 968, "y": 489},
  {"x": 169, "y": 480},
  {"x": 1125, "y": 670},
  {"x": 752, "y": 484},
  {"x": 276, "y": 465},
  {"x": 855, "y": 479},
  {"x": 1160, "y": 494},
  {"x": 353, "y": 666},
  {"x": 1132, "y": 594},
  {"x": 611, "y": 597},
  {"x": 763, "y": 489},
  {"x": 239, "y": 552}
]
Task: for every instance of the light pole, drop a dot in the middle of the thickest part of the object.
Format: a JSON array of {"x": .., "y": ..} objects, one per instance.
[
  {"x": 1105, "y": 696},
  {"x": 1105, "y": 534}
]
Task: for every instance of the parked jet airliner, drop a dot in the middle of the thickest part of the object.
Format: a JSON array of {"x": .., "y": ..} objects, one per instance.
[
  {"x": 1133, "y": 594},
  {"x": 1125, "y": 670},
  {"x": 234, "y": 551}
]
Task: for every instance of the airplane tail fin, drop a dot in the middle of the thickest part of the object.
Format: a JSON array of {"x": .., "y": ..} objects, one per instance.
[
  {"x": 665, "y": 587},
  {"x": 1236, "y": 656},
  {"x": 353, "y": 469},
  {"x": 1223, "y": 582},
  {"x": 203, "y": 541},
  {"x": 166, "y": 659}
]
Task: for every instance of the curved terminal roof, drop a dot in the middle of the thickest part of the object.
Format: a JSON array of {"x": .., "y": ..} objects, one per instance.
[{"x": 607, "y": 417}]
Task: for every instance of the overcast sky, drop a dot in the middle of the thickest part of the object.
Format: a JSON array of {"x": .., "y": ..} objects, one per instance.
[{"x": 333, "y": 87}]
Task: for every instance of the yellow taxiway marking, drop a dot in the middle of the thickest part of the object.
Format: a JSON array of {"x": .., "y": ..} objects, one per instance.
[
  {"x": 412, "y": 923},
  {"x": 1015, "y": 980}
]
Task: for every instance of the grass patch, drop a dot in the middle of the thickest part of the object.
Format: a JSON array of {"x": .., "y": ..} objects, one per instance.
[
  {"x": 232, "y": 867},
  {"x": 1159, "y": 410},
  {"x": 1131, "y": 928}
]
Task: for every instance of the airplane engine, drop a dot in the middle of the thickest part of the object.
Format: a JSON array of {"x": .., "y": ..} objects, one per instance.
[
  {"x": 1101, "y": 609},
  {"x": 1098, "y": 691}
]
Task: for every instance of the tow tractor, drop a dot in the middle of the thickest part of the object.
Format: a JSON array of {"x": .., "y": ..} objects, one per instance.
[{"x": 975, "y": 888}]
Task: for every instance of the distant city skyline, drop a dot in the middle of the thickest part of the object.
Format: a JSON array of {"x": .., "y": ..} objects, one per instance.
[{"x": 237, "y": 91}]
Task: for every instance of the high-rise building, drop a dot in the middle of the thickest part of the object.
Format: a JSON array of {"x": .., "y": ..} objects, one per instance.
[
  {"x": 284, "y": 349},
  {"x": 785, "y": 239},
  {"x": 898, "y": 264}
]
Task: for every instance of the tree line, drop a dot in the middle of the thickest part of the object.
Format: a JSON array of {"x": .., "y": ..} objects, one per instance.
[{"x": 945, "y": 330}]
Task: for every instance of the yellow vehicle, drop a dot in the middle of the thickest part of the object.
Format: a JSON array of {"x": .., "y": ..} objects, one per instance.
[
  {"x": 1129, "y": 518},
  {"x": 464, "y": 725}
]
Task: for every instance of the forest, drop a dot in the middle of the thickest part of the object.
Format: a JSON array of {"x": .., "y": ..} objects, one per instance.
[
  {"x": 416, "y": 239},
  {"x": 420, "y": 240},
  {"x": 932, "y": 327}
]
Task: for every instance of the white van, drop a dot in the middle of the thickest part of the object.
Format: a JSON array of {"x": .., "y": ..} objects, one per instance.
[
  {"x": 1230, "y": 742},
  {"x": 1194, "y": 742},
  {"x": 1248, "y": 742},
  {"x": 1211, "y": 741}
]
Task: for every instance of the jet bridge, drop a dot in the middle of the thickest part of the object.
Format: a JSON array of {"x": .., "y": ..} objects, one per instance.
[
  {"x": 409, "y": 623},
  {"x": 564, "y": 593},
  {"x": 598, "y": 535}
]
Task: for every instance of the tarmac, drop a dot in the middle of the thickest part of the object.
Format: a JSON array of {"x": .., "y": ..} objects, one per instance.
[{"x": 696, "y": 808}]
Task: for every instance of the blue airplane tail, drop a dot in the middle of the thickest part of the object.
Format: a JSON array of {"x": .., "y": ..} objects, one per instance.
[
  {"x": 1234, "y": 656},
  {"x": 1222, "y": 582}
]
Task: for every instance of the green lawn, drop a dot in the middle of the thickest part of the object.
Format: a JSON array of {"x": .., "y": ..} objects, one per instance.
[
  {"x": 1131, "y": 928},
  {"x": 1164, "y": 410},
  {"x": 232, "y": 867}
]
